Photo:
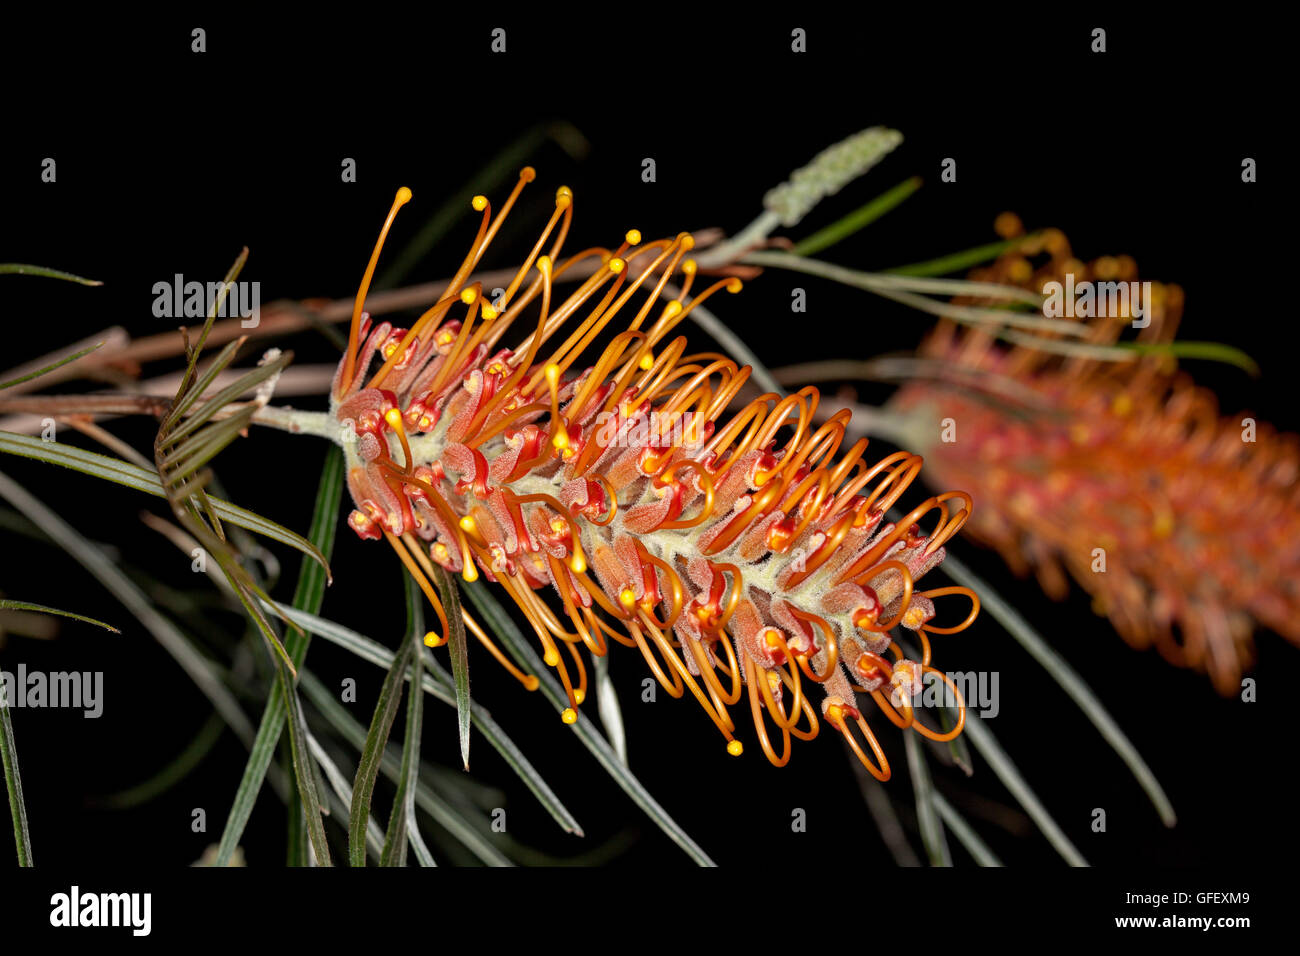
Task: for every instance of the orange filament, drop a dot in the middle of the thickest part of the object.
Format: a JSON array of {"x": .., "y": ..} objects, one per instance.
[{"x": 401, "y": 199}]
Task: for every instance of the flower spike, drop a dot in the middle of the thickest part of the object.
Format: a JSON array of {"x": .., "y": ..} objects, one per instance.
[{"x": 739, "y": 555}]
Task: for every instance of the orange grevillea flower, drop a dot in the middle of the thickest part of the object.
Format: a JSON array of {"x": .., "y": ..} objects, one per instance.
[
  {"x": 736, "y": 554},
  {"x": 1182, "y": 525}
]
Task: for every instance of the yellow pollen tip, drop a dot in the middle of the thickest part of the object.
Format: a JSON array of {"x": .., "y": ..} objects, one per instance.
[
  {"x": 551, "y": 657},
  {"x": 531, "y": 682},
  {"x": 627, "y": 598},
  {"x": 689, "y": 267},
  {"x": 393, "y": 417},
  {"x": 580, "y": 695},
  {"x": 578, "y": 565},
  {"x": 735, "y": 285},
  {"x": 553, "y": 373},
  {"x": 569, "y": 715},
  {"x": 479, "y": 203},
  {"x": 672, "y": 309},
  {"x": 467, "y": 524},
  {"x": 434, "y": 639},
  {"x": 633, "y": 237},
  {"x": 468, "y": 296},
  {"x": 616, "y": 265},
  {"x": 403, "y": 196},
  {"x": 489, "y": 314},
  {"x": 544, "y": 264},
  {"x": 835, "y": 712},
  {"x": 470, "y": 573},
  {"x": 564, "y": 192},
  {"x": 735, "y": 748},
  {"x": 647, "y": 362}
]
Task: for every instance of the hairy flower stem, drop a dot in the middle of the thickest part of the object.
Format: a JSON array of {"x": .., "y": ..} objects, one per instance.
[{"x": 299, "y": 422}]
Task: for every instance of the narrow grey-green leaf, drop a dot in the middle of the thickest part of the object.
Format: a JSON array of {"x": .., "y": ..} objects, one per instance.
[
  {"x": 426, "y": 798},
  {"x": 1067, "y": 677},
  {"x": 374, "y": 652},
  {"x": 94, "y": 560},
  {"x": 932, "y": 836},
  {"x": 1008, "y": 773},
  {"x": 394, "y": 853},
  {"x": 611, "y": 713},
  {"x": 342, "y": 793},
  {"x": 505, "y": 629},
  {"x": 964, "y": 832},
  {"x": 381, "y": 725},
  {"x": 304, "y": 774},
  {"x": 141, "y": 479}
]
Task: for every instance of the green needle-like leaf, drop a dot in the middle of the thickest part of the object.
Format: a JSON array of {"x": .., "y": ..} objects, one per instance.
[
  {"x": 403, "y": 815},
  {"x": 959, "y": 261},
  {"x": 1211, "y": 351},
  {"x": 66, "y": 360},
  {"x": 303, "y": 772},
  {"x": 24, "y": 606},
  {"x": 14, "y": 784},
  {"x": 308, "y": 596},
  {"x": 858, "y": 219},
  {"x": 459, "y": 655},
  {"x": 439, "y": 809},
  {"x": 363, "y": 788},
  {"x": 440, "y": 686},
  {"x": 22, "y": 269}
]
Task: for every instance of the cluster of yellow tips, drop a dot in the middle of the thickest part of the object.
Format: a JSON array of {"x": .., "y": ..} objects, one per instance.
[{"x": 730, "y": 547}]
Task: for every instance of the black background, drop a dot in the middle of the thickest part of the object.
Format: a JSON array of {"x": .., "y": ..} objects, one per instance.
[{"x": 170, "y": 162}]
